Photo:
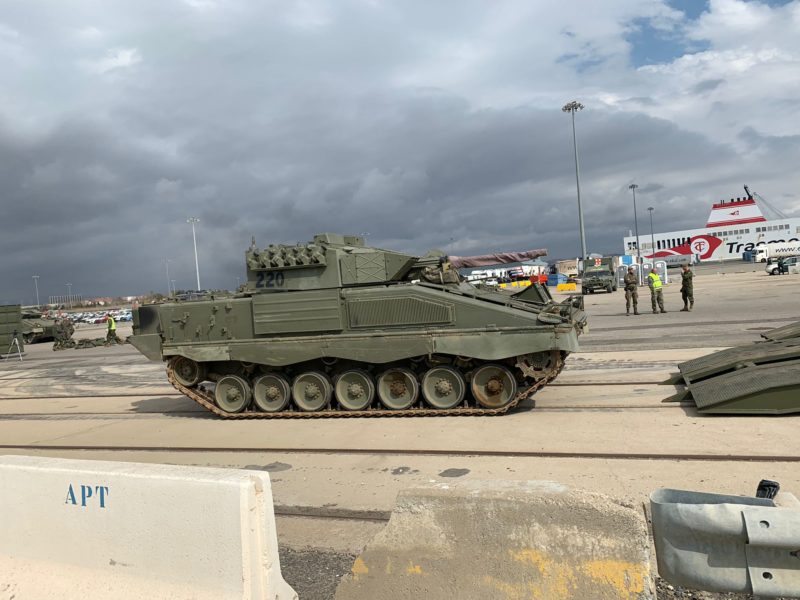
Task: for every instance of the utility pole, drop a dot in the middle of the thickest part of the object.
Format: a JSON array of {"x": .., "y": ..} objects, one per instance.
[
  {"x": 69, "y": 294},
  {"x": 193, "y": 221},
  {"x": 572, "y": 108},
  {"x": 36, "y": 283},
  {"x": 633, "y": 187}
]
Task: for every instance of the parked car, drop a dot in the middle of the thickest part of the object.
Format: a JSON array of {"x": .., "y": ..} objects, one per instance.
[{"x": 790, "y": 264}]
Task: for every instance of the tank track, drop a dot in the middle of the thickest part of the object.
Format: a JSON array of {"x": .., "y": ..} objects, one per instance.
[{"x": 205, "y": 398}]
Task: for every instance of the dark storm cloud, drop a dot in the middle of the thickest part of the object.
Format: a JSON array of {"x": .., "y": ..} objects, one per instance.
[
  {"x": 282, "y": 125},
  {"x": 413, "y": 172}
]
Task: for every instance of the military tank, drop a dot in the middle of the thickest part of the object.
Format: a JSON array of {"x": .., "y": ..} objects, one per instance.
[
  {"x": 36, "y": 327},
  {"x": 335, "y": 328}
]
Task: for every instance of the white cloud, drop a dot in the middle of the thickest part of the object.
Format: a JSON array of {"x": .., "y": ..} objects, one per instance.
[
  {"x": 201, "y": 4},
  {"x": 307, "y": 15},
  {"x": 118, "y": 58},
  {"x": 7, "y": 32},
  {"x": 88, "y": 33}
]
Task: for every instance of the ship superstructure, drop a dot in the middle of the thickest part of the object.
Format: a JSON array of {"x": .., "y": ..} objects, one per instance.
[{"x": 734, "y": 227}]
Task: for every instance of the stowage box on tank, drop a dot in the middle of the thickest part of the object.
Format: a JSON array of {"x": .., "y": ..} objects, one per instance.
[{"x": 336, "y": 328}]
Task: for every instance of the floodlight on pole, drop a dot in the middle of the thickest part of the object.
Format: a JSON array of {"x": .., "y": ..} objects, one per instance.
[
  {"x": 652, "y": 237},
  {"x": 633, "y": 187},
  {"x": 193, "y": 221},
  {"x": 36, "y": 284},
  {"x": 572, "y": 108}
]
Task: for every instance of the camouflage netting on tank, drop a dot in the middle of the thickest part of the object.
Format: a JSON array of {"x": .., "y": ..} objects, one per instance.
[{"x": 500, "y": 258}]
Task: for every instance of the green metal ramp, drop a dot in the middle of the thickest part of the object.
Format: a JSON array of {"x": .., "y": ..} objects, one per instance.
[
  {"x": 783, "y": 333},
  {"x": 771, "y": 389},
  {"x": 759, "y": 378}
]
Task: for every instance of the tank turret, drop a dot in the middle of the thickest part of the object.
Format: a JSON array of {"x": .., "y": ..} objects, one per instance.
[
  {"x": 334, "y": 327},
  {"x": 333, "y": 260}
]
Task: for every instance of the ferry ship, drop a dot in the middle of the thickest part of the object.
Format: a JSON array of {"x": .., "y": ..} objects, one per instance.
[{"x": 734, "y": 227}]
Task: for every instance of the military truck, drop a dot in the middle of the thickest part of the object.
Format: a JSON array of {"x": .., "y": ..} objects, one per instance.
[
  {"x": 335, "y": 328},
  {"x": 36, "y": 328},
  {"x": 599, "y": 275}
]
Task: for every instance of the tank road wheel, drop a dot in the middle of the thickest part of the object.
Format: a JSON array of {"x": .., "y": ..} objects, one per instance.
[
  {"x": 232, "y": 393},
  {"x": 271, "y": 392},
  {"x": 397, "y": 389},
  {"x": 493, "y": 386},
  {"x": 354, "y": 390},
  {"x": 188, "y": 372},
  {"x": 443, "y": 387},
  {"x": 311, "y": 391}
]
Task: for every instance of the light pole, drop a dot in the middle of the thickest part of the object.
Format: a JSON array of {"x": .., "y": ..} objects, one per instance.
[
  {"x": 633, "y": 187},
  {"x": 36, "y": 283},
  {"x": 652, "y": 237},
  {"x": 69, "y": 294},
  {"x": 572, "y": 108},
  {"x": 166, "y": 264},
  {"x": 174, "y": 289},
  {"x": 194, "y": 220}
]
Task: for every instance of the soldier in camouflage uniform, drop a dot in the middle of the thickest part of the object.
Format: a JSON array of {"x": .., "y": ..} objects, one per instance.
[
  {"x": 63, "y": 334},
  {"x": 57, "y": 335},
  {"x": 687, "y": 288},
  {"x": 631, "y": 292}
]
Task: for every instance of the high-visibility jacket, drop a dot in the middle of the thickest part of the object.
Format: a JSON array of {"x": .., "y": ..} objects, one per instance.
[
  {"x": 655, "y": 281},
  {"x": 112, "y": 324}
]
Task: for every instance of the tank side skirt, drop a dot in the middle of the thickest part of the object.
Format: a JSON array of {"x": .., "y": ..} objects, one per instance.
[{"x": 371, "y": 348}]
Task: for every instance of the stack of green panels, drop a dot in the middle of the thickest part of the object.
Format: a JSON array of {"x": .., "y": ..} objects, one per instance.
[{"x": 10, "y": 321}]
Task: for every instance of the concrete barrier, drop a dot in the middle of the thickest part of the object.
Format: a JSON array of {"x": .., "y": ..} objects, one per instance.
[
  {"x": 92, "y": 529},
  {"x": 513, "y": 540}
]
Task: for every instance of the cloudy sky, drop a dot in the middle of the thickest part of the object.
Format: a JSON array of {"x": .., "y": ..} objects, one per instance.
[{"x": 425, "y": 124}]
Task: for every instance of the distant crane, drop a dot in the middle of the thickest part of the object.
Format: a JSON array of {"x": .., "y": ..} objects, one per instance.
[{"x": 776, "y": 212}]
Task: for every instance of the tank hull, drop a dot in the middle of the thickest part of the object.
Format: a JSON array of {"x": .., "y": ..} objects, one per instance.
[
  {"x": 415, "y": 327},
  {"x": 38, "y": 330},
  {"x": 376, "y": 326}
]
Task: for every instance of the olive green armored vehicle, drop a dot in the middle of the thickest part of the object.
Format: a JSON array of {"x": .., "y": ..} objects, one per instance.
[
  {"x": 36, "y": 328},
  {"x": 334, "y": 328}
]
